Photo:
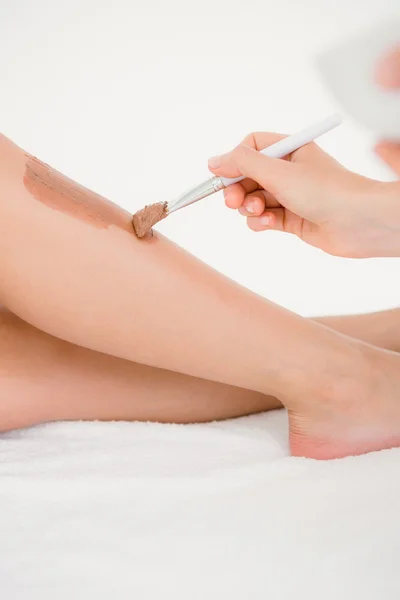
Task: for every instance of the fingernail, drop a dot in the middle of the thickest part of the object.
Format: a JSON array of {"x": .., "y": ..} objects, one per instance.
[
  {"x": 250, "y": 207},
  {"x": 214, "y": 162},
  {"x": 265, "y": 221}
]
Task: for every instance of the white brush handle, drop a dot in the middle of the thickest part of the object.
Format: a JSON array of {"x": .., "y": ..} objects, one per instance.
[
  {"x": 294, "y": 142},
  {"x": 278, "y": 150}
]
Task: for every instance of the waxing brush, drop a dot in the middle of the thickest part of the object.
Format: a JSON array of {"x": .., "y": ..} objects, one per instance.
[{"x": 148, "y": 216}]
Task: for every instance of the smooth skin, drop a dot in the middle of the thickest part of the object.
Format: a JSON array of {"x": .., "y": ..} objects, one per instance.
[
  {"x": 150, "y": 302},
  {"x": 388, "y": 75},
  {"x": 47, "y": 379}
]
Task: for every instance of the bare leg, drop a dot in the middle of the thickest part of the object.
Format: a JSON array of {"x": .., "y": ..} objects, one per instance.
[
  {"x": 44, "y": 379},
  {"x": 70, "y": 265},
  {"x": 379, "y": 329}
]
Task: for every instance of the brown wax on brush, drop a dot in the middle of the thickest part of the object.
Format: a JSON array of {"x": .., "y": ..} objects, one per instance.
[{"x": 148, "y": 216}]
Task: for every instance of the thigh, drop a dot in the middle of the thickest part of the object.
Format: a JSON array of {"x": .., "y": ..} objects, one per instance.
[{"x": 46, "y": 379}]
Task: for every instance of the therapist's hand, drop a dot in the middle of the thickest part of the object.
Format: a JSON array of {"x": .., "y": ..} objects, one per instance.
[
  {"x": 312, "y": 196},
  {"x": 388, "y": 70},
  {"x": 388, "y": 76}
]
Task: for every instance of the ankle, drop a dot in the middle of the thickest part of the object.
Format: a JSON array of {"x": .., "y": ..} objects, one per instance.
[
  {"x": 367, "y": 389},
  {"x": 349, "y": 376}
]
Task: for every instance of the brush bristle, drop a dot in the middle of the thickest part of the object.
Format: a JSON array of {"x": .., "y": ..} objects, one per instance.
[{"x": 148, "y": 216}]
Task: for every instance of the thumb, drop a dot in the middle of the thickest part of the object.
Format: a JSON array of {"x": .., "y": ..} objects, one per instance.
[
  {"x": 269, "y": 173},
  {"x": 388, "y": 71},
  {"x": 390, "y": 153}
]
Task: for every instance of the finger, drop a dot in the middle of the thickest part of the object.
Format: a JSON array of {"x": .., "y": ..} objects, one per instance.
[
  {"x": 235, "y": 194},
  {"x": 270, "y": 219},
  {"x": 257, "y": 141},
  {"x": 262, "y": 139},
  {"x": 388, "y": 70},
  {"x": 249, "y": 185},
  {"x": 268, "y": 199},
  {"x": 271, "y": 174},
  {"x": 390, "y": 153},
  {"x": 255, "y": 203}
]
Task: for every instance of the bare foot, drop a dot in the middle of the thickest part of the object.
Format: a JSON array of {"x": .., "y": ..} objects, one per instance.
[{"x": 354, "y": 416}]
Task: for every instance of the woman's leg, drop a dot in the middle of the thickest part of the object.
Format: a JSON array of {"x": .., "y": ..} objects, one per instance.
[
  {"x": 380, "y": 329},
  {"x": 71, "y": 266},
  {"x": 45, "y": 379}
]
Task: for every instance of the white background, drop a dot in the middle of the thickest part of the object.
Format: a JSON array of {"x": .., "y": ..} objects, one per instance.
[{"x": 130, "y": 98}]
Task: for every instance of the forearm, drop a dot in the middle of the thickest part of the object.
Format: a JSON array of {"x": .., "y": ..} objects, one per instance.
[
  {"x": 380, "y": 329},
  {"x": 71, "y": 265}
]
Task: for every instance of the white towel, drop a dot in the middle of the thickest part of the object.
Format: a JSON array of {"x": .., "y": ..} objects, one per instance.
[{"x": 218, "y": 511}]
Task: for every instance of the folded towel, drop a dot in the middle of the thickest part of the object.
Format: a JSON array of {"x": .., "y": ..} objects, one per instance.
[{"x": 219, "y": 510}]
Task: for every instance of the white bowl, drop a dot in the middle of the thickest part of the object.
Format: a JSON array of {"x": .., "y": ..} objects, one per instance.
[{"x": 349, "y": 70}]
